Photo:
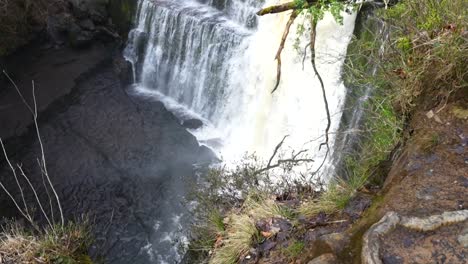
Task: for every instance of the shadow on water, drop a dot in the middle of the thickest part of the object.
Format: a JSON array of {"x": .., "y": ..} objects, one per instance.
[{"x": 123, "y": 161}]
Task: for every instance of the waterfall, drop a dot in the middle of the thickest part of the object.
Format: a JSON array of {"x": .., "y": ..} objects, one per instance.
[{"x": 215, "y": 58}]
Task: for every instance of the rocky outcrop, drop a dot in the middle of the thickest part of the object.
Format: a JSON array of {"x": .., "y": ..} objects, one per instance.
[
  {"x": 80, "y": 22},
  {"x": 372, "y": 240},
  {"x": 77, "y": 23}
]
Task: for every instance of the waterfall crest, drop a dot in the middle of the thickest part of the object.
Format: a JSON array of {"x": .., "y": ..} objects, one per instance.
[{"x": 215, "y": 59}]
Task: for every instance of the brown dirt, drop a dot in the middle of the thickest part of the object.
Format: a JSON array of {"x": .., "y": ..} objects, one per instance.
[
  {"x": 429, "y": 177},
  {"x": 441, "y": 246}
]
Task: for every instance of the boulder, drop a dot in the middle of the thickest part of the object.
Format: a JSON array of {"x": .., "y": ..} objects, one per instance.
[
  {"x": 192, "y": 123},
  {"x": 87, "y": 24},
  {"x": 96, "y": 10},
  {"x": 206, "y": 155},
  {"x": 80, "y": 38},
  {"x": 123, "y": 68}
]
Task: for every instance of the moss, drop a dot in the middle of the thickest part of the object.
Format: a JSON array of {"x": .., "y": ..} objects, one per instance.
[
  {"x": 357, "y": 231},
  {"x": 460, "y": 112},
  {"x": 122, "y": 13},
  {"x": 294, "y": 249}
]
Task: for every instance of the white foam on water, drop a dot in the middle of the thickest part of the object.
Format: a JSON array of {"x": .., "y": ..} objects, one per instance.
[{"x": 208, "y": 62}]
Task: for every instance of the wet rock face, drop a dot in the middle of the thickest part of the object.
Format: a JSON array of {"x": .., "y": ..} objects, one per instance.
[
  {"x": 65, "y": 22},
  {"x": 80, "y": 22}
]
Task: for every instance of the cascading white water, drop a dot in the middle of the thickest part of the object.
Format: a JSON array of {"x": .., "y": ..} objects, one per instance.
[
  {"x": 214, "y": 60},
  {"x": 209, "y": 57}
]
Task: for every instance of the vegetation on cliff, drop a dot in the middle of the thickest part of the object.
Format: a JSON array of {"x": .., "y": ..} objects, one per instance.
[{"x": 414, "y": 56}]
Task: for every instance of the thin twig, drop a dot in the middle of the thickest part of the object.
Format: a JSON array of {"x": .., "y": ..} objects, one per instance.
[
  {"x": 305, "y": 55},
  {"x": 25, "y": 214},
  {"x": 47, "y": 191},
  {"x": 35, "y": 195},
  {"x": 13, "y": 170},
  {"x": 276, "y": 150},
  {"x": 42, "y": 162},
  {"x": 44, "y": 166},
  {"x": 18, "y": 90}
]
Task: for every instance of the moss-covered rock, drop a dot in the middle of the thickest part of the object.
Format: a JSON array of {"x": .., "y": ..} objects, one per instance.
[{"x": 121, "y": 12}]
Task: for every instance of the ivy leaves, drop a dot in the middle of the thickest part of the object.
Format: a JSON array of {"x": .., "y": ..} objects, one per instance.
[{"x": 320, "y": 7}]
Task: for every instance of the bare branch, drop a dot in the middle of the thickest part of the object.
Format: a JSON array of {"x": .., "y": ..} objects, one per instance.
[
  {"x": 42, "y": 164},
  {"x": 35, "y": 195},
  {"x": 15, "y": 176},
  {"x": 281, "y": 162},
  {"x": 47, "y": 191},
  {"x": 24, "y": 212},
  {"x": 281, "y": 47},
  {"x": 18, "y": 91},
  {"x": 276, "y": 150},
  {"x": 43, "y": 160},
  {"x": 294, "y": 160},
  {"x": 313, "y": 36}
]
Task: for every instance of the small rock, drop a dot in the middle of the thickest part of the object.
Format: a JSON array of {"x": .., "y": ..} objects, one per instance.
[
  {"x": 192, "y": 123},
  {"x": 407, "y": 242},
  {"x": 324, "y": 259},
  {"x": 463, "y": 238},
  {"x": 87, "y": 24},
  {"x": 336, "y": 241},
  {"x": 427, "y": 193},
  {"x": 463, "y": 181},
  {"x": 391, "y": 259},
  {"x": 357, "y": 206},
  {"x": 206, "y": 155},
  {"x": 430, "y": 114}
]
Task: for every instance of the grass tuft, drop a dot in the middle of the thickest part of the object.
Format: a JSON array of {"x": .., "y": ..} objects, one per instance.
[
  {"x": 68, "y": 244},
  {"x": 238, "y": 239},
  {"x": 294, "y": 249}
]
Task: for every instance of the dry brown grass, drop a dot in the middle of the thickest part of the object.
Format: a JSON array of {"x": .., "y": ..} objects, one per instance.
[{"x": 67, "y": 244}]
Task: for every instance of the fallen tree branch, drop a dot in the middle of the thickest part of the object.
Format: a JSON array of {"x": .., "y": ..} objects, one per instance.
[{"x": 277, "y": 8}]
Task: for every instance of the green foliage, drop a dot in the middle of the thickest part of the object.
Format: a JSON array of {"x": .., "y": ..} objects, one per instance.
[
  {"x": 427, "y": 50},
  {"x": 404, "y": 44},
  {"x": 294, "y": 249},
  {"x": 335, "y": 198}
]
